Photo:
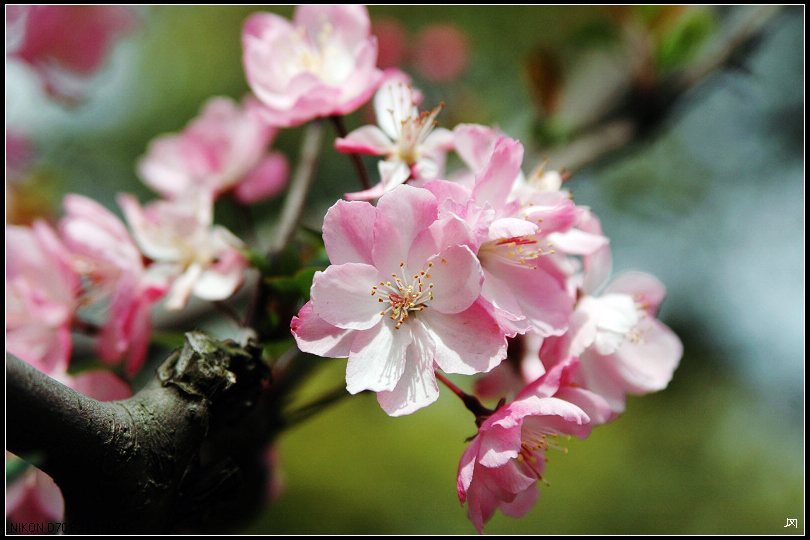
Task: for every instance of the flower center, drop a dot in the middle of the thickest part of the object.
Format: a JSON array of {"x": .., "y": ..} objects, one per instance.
[
  {"x": 314, "y": 54},
  {"x": 532, "y": 452},
  {"x": 404, "y": 295},
  {"x": 415, "y": 129},
  {"x": 515, "y": 250}
]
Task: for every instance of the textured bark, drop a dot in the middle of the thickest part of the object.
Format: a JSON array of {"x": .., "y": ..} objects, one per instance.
[{"x": 133, "y": 466}]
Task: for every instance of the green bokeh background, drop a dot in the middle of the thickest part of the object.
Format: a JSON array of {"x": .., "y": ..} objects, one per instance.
[{"x": 711, "y": 203}]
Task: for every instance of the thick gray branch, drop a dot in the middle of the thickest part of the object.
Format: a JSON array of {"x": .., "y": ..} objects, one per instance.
[{"x": 130, "y": 466}]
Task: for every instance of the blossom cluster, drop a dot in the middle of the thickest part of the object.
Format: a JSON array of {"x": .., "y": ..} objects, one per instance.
[
  {"x": 110, "y": 275},
  {"x": 452, "y": 270},
  {"x": 481, "y": 269}
]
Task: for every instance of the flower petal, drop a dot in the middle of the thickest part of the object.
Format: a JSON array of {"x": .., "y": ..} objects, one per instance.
[
  {"x": 467, "y": 342},
  {"x": 342, "y": 296},
  {"x": 316, "y": 336},
  {"x": 457, "y": 277},
  {"x": 348, "y": 232},
  {"x": 377, "y": 358},
  {"x": 417, "y": 386}
]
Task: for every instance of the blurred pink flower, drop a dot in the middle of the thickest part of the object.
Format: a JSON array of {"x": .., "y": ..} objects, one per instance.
[
  {"x": 441, "y": 52},
  {"x": 321, "y": 64},
  {"x": 65, "y": 44},
  {"x": 106, "y": 256},
  {"x": 34, "y": 499},
  {"x": 223, "y": 149},
  {"x": 199, "y": 258},
  {"x": 400, "y": 299},
  {"x": 624, "y": 349},
  {"x": 413, "y": 148},
  {"x": 41, "y": 297},
  {"x": 392, "y": 39},
  {"x": 502, "y": 464}
]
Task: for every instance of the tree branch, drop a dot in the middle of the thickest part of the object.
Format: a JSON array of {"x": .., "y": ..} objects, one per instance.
[{"x": 132, "y": 466}]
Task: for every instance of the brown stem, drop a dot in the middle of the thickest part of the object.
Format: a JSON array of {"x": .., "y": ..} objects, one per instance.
[
  {"x": 357, "y": 161},
  {"x": 471, "y": 402}
]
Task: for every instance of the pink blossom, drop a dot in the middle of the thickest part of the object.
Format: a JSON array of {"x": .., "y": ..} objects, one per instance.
[
  {"x": 392, "y": 40},
  {"x": 65, "y": 44},
  {"x": 502, "y": 464},
  {"x": 41, "y": 297},
  {"x": 400, "y": 299},
  {"x": 413, "y": 148},
  {"x": 524, "y": 286},
  {"x": 34, "y": 499},
  {"x": 223, "y": 149},
  {"x": 624, "y": 349},
  {"x": 441, "y": 52},
  {"x": 321, "y": 64},
  {"x": 179, "y": 236},
  {"x": 106, "y": 256},
  {"x": 522, "y": 365}
]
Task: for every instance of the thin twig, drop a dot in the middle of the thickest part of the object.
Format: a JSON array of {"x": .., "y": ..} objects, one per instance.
[
  {"x": 309, "y": 410},
  {"x": 471, "y": 402},
  {"x": 357, "y": 161},
  {"x": 299, "y": 187}
]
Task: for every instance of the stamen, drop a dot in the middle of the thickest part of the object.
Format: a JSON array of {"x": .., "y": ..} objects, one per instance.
[{"x": 405, "y": 295}]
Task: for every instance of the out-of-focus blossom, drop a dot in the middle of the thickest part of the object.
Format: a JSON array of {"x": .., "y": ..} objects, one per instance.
[
  {"x": 66, "y": 44},
  {"x": 34, "y": 499},
  {"x": 198, "y": 257},
  {"x": 223, "y": 149},
  {"x": 24, "y": 199},
  {"x": 440, "y": 52},
  {"x": 392, "y": 42},
  {"x": 413, "y": 148},
  {"x": 321, "y": 64},
  {"x": 19, "y": 153},
  {"x": 111, "y": 265},
  {"x": 522, "y": 365},
  {"x": 41, "y": 297},
  {"x": 502, "y": 464},
  {"x": 400, "y": 299},
  {"x": 624, "y": 349}
]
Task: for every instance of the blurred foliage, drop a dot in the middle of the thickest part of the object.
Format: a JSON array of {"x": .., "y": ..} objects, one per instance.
[{"x": 706, "y": 456}]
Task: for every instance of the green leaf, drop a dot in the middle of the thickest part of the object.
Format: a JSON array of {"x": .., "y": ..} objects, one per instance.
[{"x": 682, "y": 43}]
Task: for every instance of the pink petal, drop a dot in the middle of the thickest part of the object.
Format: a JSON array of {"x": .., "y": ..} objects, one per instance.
[
  {"x": 645, "y": 289},
  {"x": 523, "y": 503},
  {"x": 378, "y": 357},
  {"x": 417, "y": 386},
  {"x": 494, "y": 183},
  {"x": 365, "y": 140},
  {"x": 348, "y": 232},
  {"x": 506, "y": 481},
  {"x": 266, "y": 180},
  {"x": 457, "y": 277},
  {"x": 316, "y": 336},
  {"x": 648, "y": 363},
  {"x": 498, "y": 445},
  {"x": 466, "y": 468},
  {"x": 342, "y": 296},
  {"x": 101, "y": 385},
  {"x": 467, "y": 342},
  {"x": 374, "y": 192},
  {"x": 474, "y": 144},
  {"x": 576, "y": 242},
  {"x": 401, "y": 215}
]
